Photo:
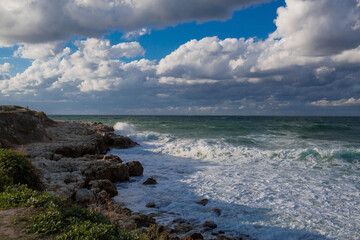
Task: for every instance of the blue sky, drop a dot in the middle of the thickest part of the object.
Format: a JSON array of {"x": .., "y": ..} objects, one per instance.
[{"x": 253, "y": 57}]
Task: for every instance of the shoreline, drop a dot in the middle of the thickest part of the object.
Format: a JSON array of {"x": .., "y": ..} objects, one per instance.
[{"x": 72, "y": 160}]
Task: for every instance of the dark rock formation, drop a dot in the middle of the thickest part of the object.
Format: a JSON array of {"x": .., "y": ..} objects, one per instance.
[
  {"x": 135, "y": 168},
  {"x": 21, "y": 126},
  {"x": 150, "y": 181},
  {"x": 203, "y": 201}
]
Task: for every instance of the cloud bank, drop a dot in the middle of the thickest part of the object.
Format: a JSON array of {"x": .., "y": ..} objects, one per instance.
[
  {"x": 311, "y": 61},
  {"x": 40, "y": 21}
]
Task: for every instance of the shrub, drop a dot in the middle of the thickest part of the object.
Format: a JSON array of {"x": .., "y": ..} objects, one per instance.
[{"x": 15, "y": 168}]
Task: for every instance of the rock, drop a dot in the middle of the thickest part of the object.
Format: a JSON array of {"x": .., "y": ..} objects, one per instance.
[
  {"x": 118, "y": 141},
  {"x": 217, "y": 211},
  {"x": 150, "y": 205},
  {"x": 203, "y": 201},
  {"x": 182, "y": 228},
  {"x": 56, "y": 157},
  {"x": 195, "y": 236},
  {"x": 150, "y": 181},
  {"x": 210, "y": 224},
  {"x": 119, "y": 173},
  {"x": 142, "y": 220},
  {"x": 20, "y": 126},
  {"x": 115, "y": 172},
  {"x": 98, "y": 185},
  {"x": 112, "y": 158},
  {"x": 84, "y": 196},
  {"x": 135, "y": 168}
]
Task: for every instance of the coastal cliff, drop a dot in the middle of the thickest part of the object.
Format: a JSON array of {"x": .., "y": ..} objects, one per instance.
[{"x": 68, "y": 155}]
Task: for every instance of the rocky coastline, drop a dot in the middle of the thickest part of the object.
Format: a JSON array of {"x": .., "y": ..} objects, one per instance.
[{"x": 72, "y": 162}]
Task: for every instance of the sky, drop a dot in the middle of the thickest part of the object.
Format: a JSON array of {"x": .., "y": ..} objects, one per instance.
[{"x": 181, "y": 57}]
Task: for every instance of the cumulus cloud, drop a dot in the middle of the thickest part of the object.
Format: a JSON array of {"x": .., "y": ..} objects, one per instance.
[
  {"x": 337, "y": 103},
  {"x": 5, "y": 67},
  {"x": 95, "y": 66},
  {"x": 300, "y": 63},
  {"x": 43, "y": 20},
  {"x": 39, "y": 51}
]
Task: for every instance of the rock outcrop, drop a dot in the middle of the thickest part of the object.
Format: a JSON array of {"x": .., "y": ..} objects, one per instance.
[{"x": 69, "y": 155}]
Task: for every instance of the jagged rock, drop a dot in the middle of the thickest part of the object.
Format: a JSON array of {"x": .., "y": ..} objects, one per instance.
[
  {"x": 195, "y": 236},
  {"x": 115, "y": 172},
  {"x": 118, "y": 141},
  {"x": 20, "y": 125},
  {"x": 210, "y": 224},
  {"x": 203, "y": 201},
  {"x": 84, "y": 196},
  {"x": 150, "y": 181},
  {"x": 135, "y": 168},
  {"x": 150, "y": 205},
  {"x": 182, "y": 228},
  {"x": 142, "y": 220},
  {"x": 217, "y": 211},
  {"x": 98, "y": 185},
  {"x": 112, "y": 158}
]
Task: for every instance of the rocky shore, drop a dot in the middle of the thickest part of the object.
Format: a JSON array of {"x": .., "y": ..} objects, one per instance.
[{"x": 70, "y": 158}]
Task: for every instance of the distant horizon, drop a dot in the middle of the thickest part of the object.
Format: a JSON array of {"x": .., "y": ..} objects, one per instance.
[{"x": 241, "y": 58}]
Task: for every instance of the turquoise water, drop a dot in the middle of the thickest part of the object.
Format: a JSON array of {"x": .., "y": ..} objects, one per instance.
[{"x": 273, "y": 177}]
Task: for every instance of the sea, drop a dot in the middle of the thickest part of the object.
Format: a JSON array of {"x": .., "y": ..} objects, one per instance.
[{"x": 272, "y": 178}]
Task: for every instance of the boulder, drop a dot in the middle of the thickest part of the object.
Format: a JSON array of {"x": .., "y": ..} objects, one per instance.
[
  {"x": 217, "y": 211},
  {"x": 210, "y": 224},
  {"x": 142, "y": 220},
  {"x": 203, "y": 201},
  {"x": 84, "y": 196},
  {"x": 150, "y": 181},
  {"x": 150, "y": 205},
  {"x": 195, "y": 236},
  {"x": 135, "y": 168},
  {"x": 97, "y": 186}
]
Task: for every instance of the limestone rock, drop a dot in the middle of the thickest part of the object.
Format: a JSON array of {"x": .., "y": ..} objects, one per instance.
[
  {"x": 150, "y": 181},
  {"x": 84, "y": 196},
  {"x": 210, "y": 224},
  {"x": 135, "y": 168},
  {"x": 98, "y": 185}
]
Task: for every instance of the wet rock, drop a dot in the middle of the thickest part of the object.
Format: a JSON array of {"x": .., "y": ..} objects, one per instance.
[
  {"x": 150, "y": 181},
  {"x": 210, "y": 224},
  {"x": 150, "y": 205},
  {"x": 142, "y": 220},
  {"x": 117, "y": 141},
  {"x": 98, "y": 185},
  {"x": 182, "y": 228},
  {"x": 203, "y": 201},
  {"x": 135, "y": 168},
  {"x": 217, "y": 211},
  {"x": 112, "y": 158},
  {"x": 84, "y": 196},
  {"x": 195, "y": 236}
]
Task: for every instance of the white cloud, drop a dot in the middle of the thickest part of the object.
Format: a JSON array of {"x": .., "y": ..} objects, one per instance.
[
  {"x": 43, "y": 20},
  {"x": 39, "y": 51},
  {"x": 5, "y": 67},
  {"x": 93, "y": 67},
  {"x": 337, "y": 103},
  {"x": 348, "y": 56},
  {"x": 136, "y": 34}
]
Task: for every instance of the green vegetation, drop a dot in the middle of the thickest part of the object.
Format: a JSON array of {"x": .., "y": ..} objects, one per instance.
[
  {"x": 52, "y": 217},
  {"x": 15, "y": 168},
  {"x": 59, "y": 219}
]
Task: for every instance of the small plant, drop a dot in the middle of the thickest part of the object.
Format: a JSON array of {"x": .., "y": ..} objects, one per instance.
[{"x": 15, "y": 168}]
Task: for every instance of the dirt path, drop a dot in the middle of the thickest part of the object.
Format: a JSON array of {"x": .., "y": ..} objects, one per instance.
[{"x": 7, "y": 229}]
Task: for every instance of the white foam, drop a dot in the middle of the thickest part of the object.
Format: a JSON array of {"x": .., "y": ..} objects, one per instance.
[{"x": 291, "y": 193}]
